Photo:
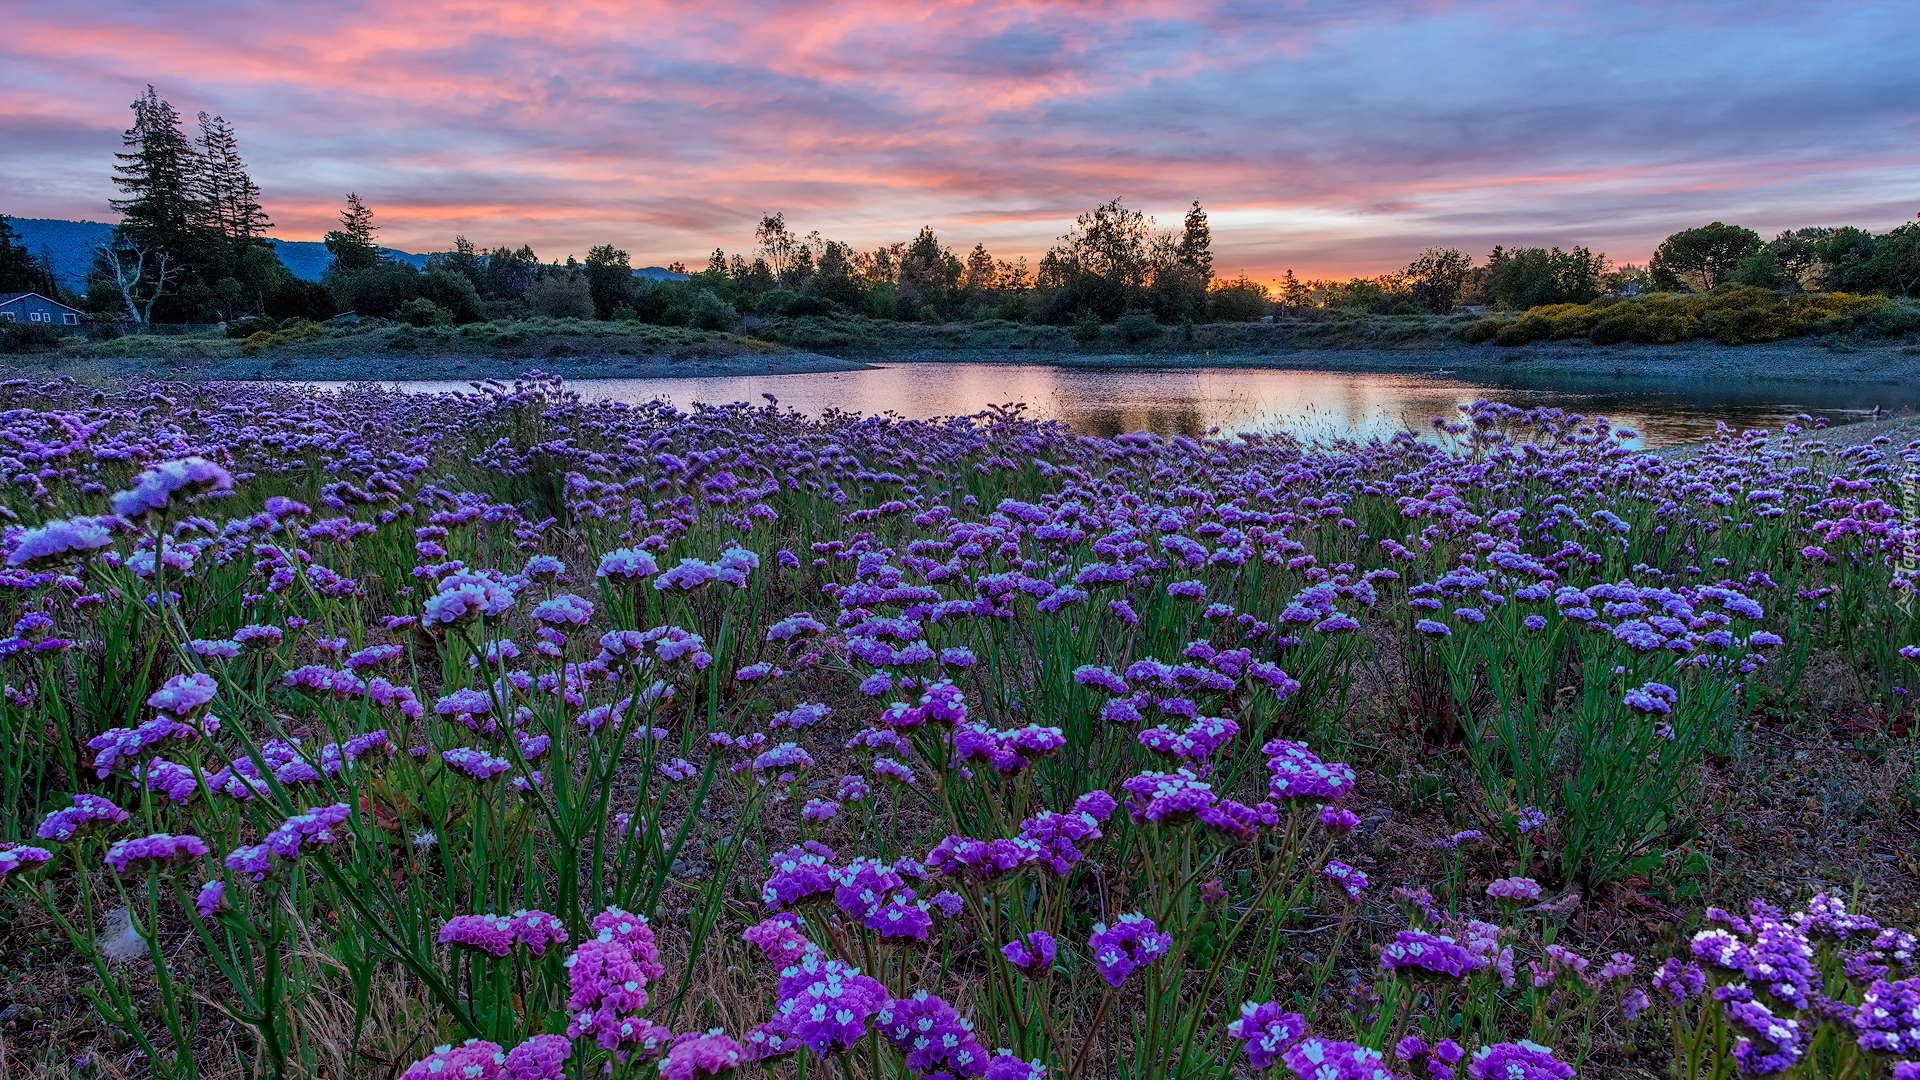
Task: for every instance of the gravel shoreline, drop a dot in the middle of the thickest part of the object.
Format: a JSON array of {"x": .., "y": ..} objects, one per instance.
[
  {"x": 1790, "y": 361},
  {"x": 1800, "y": 361},
  {"x": 389, "y": 368}
]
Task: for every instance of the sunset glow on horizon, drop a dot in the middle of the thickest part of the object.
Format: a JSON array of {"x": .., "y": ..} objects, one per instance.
[{"x": 1324, "y": 137}]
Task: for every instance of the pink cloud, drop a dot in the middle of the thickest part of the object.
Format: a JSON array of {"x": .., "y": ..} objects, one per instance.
[{"x": 1351, "y": 138}]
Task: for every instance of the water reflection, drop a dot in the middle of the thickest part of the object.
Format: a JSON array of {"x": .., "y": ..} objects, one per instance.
[{"x": 1308, "y": 403}]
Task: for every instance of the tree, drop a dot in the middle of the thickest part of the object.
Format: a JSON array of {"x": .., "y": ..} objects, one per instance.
[
  {"x": 139, "y": 276},
  {"x": 1437, "y": 278},
  {"x": 1788, "y": 261},
  {"x": 1099, "y": 268},
  {"x": 1699, "y": 259},
  {"x": 1195, "y": 252},
  {"x": 18, "y": 271},
  {"x": 1239, "y": 300},
  {"x": 1896, "y": 260},
  {"x": 776, "y": 243},
  {"x": 928, "y": 275},
  {"x": 1531, "y": 277},
  {"x": 352, "y": 243},
  {"x": 609, "y": 279},
  {"x": 230, "y": 198},
  {"x": 562, "y": 296},
  {"x": 982, "y": 273},
  {"x": 162, "y": 212}
]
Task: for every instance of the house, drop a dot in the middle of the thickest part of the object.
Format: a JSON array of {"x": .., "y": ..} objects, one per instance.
[{"x": 27, "y": 307}]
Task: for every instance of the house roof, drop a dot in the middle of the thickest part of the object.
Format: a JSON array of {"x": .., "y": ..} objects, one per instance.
[{"x": 8, "y": 298}]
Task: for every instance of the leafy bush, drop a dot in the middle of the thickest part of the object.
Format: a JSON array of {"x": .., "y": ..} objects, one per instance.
[
  {"x": 421, "y": 311},
  {"x": 1731, "y": 315},
  {"x": 1137, "y": 327}
]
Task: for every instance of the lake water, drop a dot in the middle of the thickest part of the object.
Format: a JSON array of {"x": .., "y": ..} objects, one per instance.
[{"x": 1194, "y": 401}]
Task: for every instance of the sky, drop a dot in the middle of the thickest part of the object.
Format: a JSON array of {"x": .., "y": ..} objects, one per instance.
[{"x": 1330, "y": 137}]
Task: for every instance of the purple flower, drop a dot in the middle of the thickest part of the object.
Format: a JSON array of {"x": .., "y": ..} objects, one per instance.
[
  {"x": 627, "y": 563},
  {"x": 1187, "y": 590},
  {"x": 819, "y": 810},
  {"x": 1517, "y": 1061},
  {"x": 1338, "y": 821},
  {"x": 211, "y": 898},
  {"x": 1349, "y": 879},
  {"x": 1888, "y": 1019},
  {"x": 1426, "y": 956},
  {"x": 475, "y": 1059},
  {"x": 14, "y": 858},
  {"x": 1653, "y": 698},
  {"x": 67, "y": 822},
  {"x": 799, "y": 874},
  {"x": 825, "y": 1004},
  {"x": 1005, "y": 1066},
  {"x": 1298, "y": 773},
  {"x": 373, "y": 656},
  {"x": 155, "y": 849},
  {"x": 1529, "y": 819},
  {"x": 936, "y": 1039},
  {"x": 1169, "y": 797},
  {"x": 697, "y": 1054},
  {"x": 1436, "y": 629},
  {"x": 153, "y": 489},
  {"x": 57, "y": 540},
  {"x": 1515, "y": 890},
  {"x": 184, "y": 695},
  {"x": 475, "y": 763},
  {"x": 1267, "y": 1031},
  {"x": 1764, "y": 1042},
  {"x": 983, "y": 860},
  {"x": 1130, "y": 943},
  {"x": 1033, "y": 954},
  {"x": 542, "y": 1057},
  {"x": 1322, "y": 1059},
  {"x": 565, "y": 610},
  {"x": 1680, "y": 980},
  {"x": 490, "y": 934},
  {"x": 605, "y": 988}
]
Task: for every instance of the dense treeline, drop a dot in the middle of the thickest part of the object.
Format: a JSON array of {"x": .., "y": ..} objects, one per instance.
[{"x": 191, "y": 248}]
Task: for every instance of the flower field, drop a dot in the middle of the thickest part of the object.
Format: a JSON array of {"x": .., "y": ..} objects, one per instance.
[{"x": 504, "y": 735}]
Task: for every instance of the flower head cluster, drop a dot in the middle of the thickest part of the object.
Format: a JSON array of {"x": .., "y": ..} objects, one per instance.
[
  {"x": 1298, "y": 773},
  {"x": 1653, "y": 698},
  {"x": 154, "y": 489},
  {"x": 1031, "y": 954},
  {"x": 936, "y": 1039},
  {"x": 1267, "y": 1031},
  {"x": 1521, "y": 1060},
  {"x": 496, "y": 935},
  {"x": 825, "y": 1005},
  {"x": 87, "y": 811},
  {"x": 1323, "y": 1059},
  {"x": 1132, "y": 942},
  {"x": 1425, "y": 955},
  {"x": 20, "y": 856},
  {"x": 153, "y": 850},
  {"x": 57, "y": 541},
  {"x": 696, "y": 1055}
]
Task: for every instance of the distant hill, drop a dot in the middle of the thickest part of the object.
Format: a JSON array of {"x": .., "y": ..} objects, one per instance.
[{"x": 72, "y": 242}]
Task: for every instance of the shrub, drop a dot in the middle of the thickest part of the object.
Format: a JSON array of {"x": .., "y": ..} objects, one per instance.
[
  {"x": 1136, "y": 327},
  {"x": 1483, "y": 330},
  {"x": 1731, "y": 315},
  {"x": 421, "y": 311}
]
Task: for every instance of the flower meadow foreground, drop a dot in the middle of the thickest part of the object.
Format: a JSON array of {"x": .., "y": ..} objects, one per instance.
[{"x": 505, "y": 735}]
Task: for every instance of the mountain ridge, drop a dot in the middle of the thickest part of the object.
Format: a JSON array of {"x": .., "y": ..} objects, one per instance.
[{"x": 71, "y": 244}]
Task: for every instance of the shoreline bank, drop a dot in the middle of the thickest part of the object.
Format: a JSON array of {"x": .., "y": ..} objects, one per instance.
[{"x": 1781, "y": 362}]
